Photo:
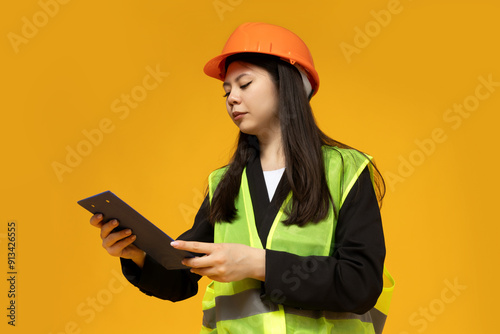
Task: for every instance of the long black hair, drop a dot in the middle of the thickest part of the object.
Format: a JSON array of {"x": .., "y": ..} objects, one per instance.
[{"x": 301, "y": 141}]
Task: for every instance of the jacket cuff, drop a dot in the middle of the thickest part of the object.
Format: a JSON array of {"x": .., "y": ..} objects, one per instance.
[
  {"x": 130, "y": 270},
  {"x": 144, "y": 278}
]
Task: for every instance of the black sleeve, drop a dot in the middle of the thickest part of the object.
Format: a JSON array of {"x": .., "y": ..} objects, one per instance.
[
  {"x": 349, "y": 281},
  {"x": 174, "y": 285}
]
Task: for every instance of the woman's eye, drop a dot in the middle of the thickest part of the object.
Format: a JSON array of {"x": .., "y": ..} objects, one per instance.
[{"x": 241, "y": 87}]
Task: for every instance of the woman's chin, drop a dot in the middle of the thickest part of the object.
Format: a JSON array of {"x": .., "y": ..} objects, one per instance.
[
  {"x": 249, "y": 130},
  {"x": 260, "y": 130}
]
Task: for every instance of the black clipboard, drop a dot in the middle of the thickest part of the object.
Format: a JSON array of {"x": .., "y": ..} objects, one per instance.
[{"x": 150, "y": 238}]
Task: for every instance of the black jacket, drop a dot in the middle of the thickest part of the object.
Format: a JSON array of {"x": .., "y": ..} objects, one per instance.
[{"x": 348, "y": 281}]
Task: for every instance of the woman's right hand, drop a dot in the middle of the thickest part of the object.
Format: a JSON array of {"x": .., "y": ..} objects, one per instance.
[{"x": 118, "y": 243}]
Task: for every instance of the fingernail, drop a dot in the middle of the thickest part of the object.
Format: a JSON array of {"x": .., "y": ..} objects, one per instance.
[
  {"x": 114, "y": 222},
  {"x": 174, "y": 243},
  {"x": 128, "y": 231},
  {"x": 133, "y": 237},
  {"x": 99, "y": 216}
]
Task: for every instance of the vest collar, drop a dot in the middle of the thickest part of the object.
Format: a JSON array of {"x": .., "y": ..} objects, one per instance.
[{"x": 265, "y": 211}]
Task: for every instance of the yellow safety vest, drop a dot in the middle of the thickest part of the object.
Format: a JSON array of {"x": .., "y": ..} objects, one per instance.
[{"x": 236, "y": 307}]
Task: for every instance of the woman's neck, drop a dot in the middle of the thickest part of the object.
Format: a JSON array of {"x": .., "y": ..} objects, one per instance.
[{"x": 272, "y": 156}]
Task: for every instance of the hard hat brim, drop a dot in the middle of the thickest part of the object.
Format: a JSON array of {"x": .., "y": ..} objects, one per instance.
[{"x": 215, "y": 67}]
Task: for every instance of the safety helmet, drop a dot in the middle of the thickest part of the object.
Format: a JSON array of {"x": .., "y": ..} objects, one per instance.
[{"x": 269, "y": 39}]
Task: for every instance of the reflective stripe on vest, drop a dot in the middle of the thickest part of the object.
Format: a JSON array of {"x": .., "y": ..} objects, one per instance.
[{"x": 237, "y": 307}]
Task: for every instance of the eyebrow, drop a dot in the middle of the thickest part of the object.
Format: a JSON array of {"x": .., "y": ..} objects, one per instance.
[{"x": 237, "y": 78}]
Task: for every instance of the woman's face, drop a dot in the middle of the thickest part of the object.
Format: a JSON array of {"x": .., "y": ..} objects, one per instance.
[{"x": 251, "y": 98}]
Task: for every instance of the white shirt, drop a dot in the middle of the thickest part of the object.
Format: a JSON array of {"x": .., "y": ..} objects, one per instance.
[{"x": 273, "y": 178}]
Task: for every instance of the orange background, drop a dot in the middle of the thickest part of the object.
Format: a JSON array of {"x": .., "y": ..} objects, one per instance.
[{"x": 64, "y": 75}]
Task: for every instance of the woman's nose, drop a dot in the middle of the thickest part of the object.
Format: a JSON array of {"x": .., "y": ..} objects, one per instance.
[{"x": 233, "y": 98}]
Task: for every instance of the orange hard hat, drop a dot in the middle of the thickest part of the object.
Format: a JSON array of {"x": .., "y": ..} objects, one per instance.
[{"x": 269, "y": 39}]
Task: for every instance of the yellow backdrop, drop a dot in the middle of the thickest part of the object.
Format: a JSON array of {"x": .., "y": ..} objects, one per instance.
[{"x": 111, "y": 95}]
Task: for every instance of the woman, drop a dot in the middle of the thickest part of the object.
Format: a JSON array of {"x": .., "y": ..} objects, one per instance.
[{"x": 290, "y": 231}]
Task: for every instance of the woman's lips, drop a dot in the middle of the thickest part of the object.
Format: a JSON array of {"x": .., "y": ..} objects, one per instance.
[{"x": 237, "y": 115}]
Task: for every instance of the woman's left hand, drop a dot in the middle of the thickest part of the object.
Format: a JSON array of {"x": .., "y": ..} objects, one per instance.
[{"x": 224, "y": 262}]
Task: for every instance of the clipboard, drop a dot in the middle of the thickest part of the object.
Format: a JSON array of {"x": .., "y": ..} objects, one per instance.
[{"x": 150, "y": 238}]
